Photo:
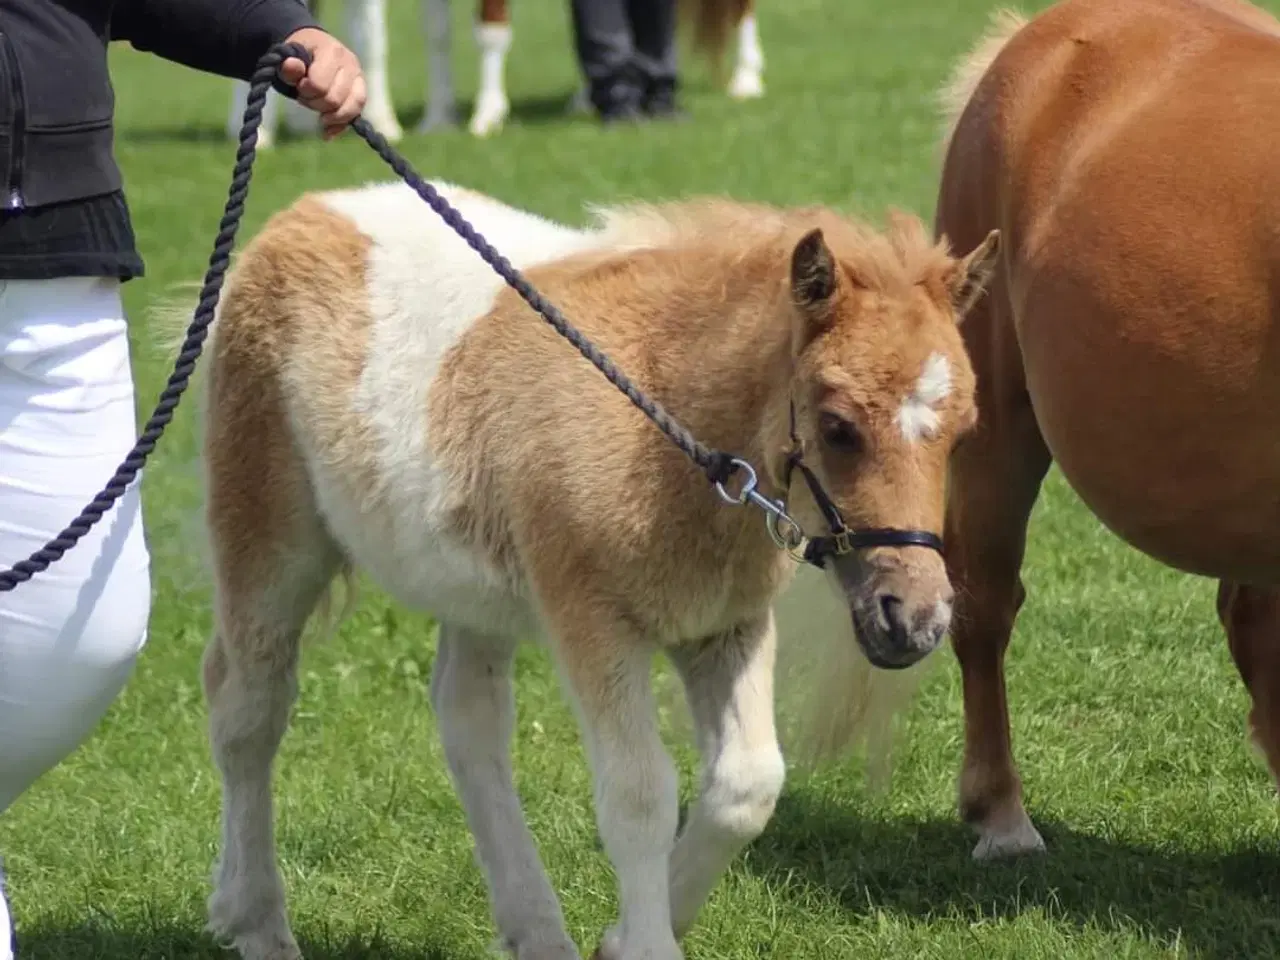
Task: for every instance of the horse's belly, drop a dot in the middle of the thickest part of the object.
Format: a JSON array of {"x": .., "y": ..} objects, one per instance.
[
  {"x": 398, "y": 539},
  {"x": 1172, "y": 450}
]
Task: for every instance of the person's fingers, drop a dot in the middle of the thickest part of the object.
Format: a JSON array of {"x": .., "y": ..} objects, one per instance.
[
  {"x": 337, "y": 92},
  {"x": 351, "y": 105},
  {"x": 292, "y": 71},
  {"x": 319, "y": 78}
]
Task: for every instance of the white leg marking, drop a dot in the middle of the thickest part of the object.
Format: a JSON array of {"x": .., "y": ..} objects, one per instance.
[
  {"x": 367, "y": 23},
  {"x": 729, "y": 685},
  {"x": 918, "y": 415},
  {"x": 748, "y": 76},
  {"x": 473, "y": 696},
  {"x": 492, "y": 107}
]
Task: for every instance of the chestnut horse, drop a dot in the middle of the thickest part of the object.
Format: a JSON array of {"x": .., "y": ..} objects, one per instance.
[
  {"x": 712, "y": 22},
  {"x": 1123, "y": 151},
  {"x": 377, "y": 398}
]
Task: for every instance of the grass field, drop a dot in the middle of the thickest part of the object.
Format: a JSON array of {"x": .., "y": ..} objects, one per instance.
[{"x": 1128, "y": 715}]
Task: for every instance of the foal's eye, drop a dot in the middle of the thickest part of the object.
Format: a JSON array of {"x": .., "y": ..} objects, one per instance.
[{"x": 839, "y": 434}]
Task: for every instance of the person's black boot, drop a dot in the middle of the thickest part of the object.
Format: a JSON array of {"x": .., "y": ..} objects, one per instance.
[
  {"x": 617, "y": 99},
  {"x": 660, "y": 103}
]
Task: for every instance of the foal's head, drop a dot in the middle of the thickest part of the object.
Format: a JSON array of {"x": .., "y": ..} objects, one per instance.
[{"x": 882, "y": 391}]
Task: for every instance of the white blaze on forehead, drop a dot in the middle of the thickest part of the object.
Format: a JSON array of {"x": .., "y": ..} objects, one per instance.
[{"x": 918, "y": 415}]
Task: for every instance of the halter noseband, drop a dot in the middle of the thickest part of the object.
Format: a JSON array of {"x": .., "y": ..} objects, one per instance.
[{"x": 786, "y": 532}]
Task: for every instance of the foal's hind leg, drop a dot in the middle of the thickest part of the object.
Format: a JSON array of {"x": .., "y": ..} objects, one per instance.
[
  {"x": 729, "y": 684},
  {"x": 272, "y": 561},
  {"x": 472, "y": 694},
  {"x": 1251, "y": 617},
  {"x": 995, "y": 479}
]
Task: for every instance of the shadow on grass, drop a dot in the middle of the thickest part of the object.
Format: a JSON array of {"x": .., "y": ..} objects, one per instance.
[
  {"x": 1218, "y": 904},
  {"x": 528, "y": 111},
  {"x": 96, "y": 941}
]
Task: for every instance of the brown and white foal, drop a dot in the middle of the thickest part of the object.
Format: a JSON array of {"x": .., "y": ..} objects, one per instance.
[{"x": 377, "y": 398}]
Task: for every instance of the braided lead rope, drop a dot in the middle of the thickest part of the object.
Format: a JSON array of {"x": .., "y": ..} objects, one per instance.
[
  {"x": 185, "y": 365},
  {"x": 717, "y": 466}
]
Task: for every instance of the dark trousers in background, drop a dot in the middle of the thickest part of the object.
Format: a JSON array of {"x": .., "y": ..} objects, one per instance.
[{"x": 627, "y": 49}]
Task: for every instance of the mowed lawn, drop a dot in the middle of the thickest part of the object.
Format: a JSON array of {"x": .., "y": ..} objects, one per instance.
[{"x": 1128, "y": 715}]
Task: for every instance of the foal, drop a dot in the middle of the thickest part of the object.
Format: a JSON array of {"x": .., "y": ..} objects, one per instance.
[{"x": 409, "y": 415}]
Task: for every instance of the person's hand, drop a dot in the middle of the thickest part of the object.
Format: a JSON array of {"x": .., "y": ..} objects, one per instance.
[{"x": 334, "y": 84}]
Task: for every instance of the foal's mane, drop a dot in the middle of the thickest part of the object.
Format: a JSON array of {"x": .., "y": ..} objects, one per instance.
[{"x": 889, "y": 261}]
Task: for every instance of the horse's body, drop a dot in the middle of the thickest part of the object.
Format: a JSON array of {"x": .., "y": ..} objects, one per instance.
[
  {"x": 1130, "y": 332},
  {"x": 367, "y": 28},
  {"x": 378, "y": 398}
]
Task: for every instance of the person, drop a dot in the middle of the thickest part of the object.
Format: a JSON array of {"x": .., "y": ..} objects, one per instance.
[
  {"x": 70, "y": 636},
  {"x": 627, "y": 52}
]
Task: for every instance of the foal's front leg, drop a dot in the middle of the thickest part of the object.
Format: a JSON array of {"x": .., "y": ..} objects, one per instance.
[
  {"x": 728, "y": 681},
  {"x": 473, "y": 696},
  {"x": 607, "y": 668}
]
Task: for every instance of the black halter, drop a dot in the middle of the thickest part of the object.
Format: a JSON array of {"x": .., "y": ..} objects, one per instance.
[{"x": 841, "y": 540}]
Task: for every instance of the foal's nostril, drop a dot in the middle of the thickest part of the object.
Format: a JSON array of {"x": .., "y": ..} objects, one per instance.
[{"x": 891, "y": 610}]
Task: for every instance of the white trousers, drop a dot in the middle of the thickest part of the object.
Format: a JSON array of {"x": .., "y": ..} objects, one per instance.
[{"x": 69, "y": 636}]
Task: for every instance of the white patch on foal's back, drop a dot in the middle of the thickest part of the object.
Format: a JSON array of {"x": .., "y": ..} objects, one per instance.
[
  {"x": 918, "y": 415},
  {"x": 426, "y": 290}
]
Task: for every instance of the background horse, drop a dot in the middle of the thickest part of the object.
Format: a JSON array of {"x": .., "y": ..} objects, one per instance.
[
  {"x": 1130, "y": 331},
  {"x": 411, "y": 417},
  {"x": 712, "y": 20}
]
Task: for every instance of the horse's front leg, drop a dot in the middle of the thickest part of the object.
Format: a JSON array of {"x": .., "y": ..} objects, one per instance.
[
  {"x": 606, "y": 666},
  {"x": 367, "y": 27},
  {"x": 728, "y": 680}
]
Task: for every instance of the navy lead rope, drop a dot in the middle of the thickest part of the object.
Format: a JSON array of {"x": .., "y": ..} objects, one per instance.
[{"x": 716, "y": 465}]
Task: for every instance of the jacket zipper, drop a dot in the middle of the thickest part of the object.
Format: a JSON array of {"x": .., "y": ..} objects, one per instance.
[{"x": 13, "y": 199}]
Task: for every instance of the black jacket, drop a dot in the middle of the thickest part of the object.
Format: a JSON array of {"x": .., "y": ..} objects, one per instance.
[{"x": 57, "y": 102}]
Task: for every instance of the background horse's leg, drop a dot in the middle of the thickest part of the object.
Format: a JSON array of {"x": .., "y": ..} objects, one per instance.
[
  {"x": 1251, "y": 617},
  {"x": 748, "y": 76},
  {"x": 367, "y": 28},
  {"x": 995, "y": 479},
  {"x": 474, "y": 700},
  {"x": 493, "y": 35},
  {"x": 440, "y": 100},
  {"x": 728, "y": 681}
]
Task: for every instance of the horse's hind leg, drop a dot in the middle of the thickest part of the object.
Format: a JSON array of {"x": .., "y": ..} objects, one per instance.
[
  {"x": 1251, "y": 617},
  {"x": 728, "y": 681},
  {"x": 272, "y": 562},
  {"x": 995, "y": 479},
  {"x": 473, "y": 696}
]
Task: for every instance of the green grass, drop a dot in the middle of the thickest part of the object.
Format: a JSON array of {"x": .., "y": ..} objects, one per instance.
[{"x": 1128, "y": 716}]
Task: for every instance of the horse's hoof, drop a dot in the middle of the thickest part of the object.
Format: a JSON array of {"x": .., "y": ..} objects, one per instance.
[
  {"x": 746, "y": 85},
  {"x": 1020, "y": 838}
]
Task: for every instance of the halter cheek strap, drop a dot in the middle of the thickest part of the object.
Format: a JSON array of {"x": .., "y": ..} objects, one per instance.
[{"x": 841, "y": 539}]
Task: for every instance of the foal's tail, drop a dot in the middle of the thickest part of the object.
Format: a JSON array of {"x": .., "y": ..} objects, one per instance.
[{"x": 713, "y": 23}]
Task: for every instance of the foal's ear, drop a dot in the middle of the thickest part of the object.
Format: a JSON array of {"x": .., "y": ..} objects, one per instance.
[
  {"x": 970, "y": 276},
  {"x": 813, "y": 274}
]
